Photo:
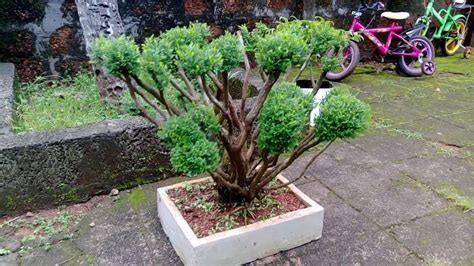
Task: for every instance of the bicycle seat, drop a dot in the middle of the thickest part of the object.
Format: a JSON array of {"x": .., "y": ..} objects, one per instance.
[
  {"x": 395, "y": 15},
  {"x": 459, "y": 3}
]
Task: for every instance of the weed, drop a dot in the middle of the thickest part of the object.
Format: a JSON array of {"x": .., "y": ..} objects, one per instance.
[
  {"x": 207, "y": 207},
  {"x": 380, "y": 124},
  {"x": 226, "y": 222},
  {"x": 5, "y": 251},
  {"x": 187, "y": 187},
  {"x": 43, "y": 230},
  {"x": 409, "y": 134}
]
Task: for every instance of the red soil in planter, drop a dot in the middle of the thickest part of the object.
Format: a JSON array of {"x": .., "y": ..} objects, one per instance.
[{"x": 199, "y": 205}]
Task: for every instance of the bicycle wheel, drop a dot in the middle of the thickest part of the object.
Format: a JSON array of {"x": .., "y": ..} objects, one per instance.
[
  {"x": 451, "y": 46},
  {"x": 412, "y": 67},
  {"x": 350, "y": 58}
]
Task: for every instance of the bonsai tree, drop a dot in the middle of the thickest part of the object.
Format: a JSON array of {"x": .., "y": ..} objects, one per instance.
[{"x": 180, "y": 82}]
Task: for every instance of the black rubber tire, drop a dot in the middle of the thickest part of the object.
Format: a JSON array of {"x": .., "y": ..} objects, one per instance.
[
  {"x": 332, "y": 76},
  {"x": 442, "y": 44},
  {"x": 416, "y": 72}
]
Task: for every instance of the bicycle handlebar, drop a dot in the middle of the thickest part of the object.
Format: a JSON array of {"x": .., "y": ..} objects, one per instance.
[{"x": 377, "y": 6}]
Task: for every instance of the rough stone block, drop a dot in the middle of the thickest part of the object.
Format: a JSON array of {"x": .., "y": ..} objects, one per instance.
[
  {"x": 7, "y": 83},
  {"x": 41, "y": 170}
]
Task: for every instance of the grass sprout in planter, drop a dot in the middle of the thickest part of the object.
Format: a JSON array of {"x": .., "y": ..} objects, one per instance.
[{"x": 184, "y": 79}]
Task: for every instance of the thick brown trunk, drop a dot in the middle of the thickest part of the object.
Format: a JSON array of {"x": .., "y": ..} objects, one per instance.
[{"x": 102, "y": 17}]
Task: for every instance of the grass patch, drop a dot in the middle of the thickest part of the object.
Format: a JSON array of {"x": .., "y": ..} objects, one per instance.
[
  {"x": 70, "y": 102},
  {"x": 452, "y": 193}
]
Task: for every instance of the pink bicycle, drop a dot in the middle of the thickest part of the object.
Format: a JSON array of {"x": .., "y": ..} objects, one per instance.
[{"x": 415, "y": 53}]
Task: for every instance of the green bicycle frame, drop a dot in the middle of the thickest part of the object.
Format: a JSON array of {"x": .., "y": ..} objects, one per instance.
[{"x": 443, "y": 17}]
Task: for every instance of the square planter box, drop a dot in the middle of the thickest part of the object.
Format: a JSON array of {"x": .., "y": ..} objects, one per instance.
[{"x": 243, "y": 244}]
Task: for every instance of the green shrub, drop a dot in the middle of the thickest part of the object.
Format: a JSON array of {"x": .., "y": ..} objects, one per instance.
[
  {"x": 278, "y": 50},
  {"x": 205, "y": 128},
  {"x": 119, "y": 55},
  {"x": 189, "y": 137},
  {"x": 283, "y": 118},
  {"x": 229, "y": 47},
  {"x": 201, "y": 157},
  {"x": 198, "y": 60},
  {"x": 342, "y": 116},
  {"x": 154, "y": 63}
]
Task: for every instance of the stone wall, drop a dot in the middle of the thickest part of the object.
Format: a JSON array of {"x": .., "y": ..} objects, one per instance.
[
  {"x": 46, "y": 169},
  {"x": 45, "y": 37}
]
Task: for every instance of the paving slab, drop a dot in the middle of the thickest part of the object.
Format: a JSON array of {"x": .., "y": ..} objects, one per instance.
[
  {"x": 438, "y": 105},
  {"x": 348, "y": 238},
  {"x": 463, "y": 120},
  {"x": 440, "y": 131},
  {"x": 383, "y": 194},
  {"x": 445, "y": 238},
  {"x": 9, "y": 260},
  {"x": 388, "y": 146},
  {"x": 452, "y": 177},
  {"x": 394, "y": 113},
  {"x": 127, "y": 231},
  {"x": 62, "y": 253}
]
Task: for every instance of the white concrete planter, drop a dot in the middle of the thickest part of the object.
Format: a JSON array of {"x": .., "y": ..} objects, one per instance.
[{"x": 243, "y": 244}]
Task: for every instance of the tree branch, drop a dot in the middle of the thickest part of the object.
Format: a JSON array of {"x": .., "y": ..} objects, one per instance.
[
  {"x": 216, "y": 81},
  {"x": 228, "y": 101},
  {"x": 305, "y": 169},
  {"x": 183, "y": 92},
  {"x": 186, "y": 80},
  {"x": 154, "y": 105},
  {"x": 219, "y": 179},
  {"x": 260, "y": 172},
  {"x": 317, "y": 85},
  {"x": 143, "y": 111},
  {"x": 286, "y": 163},
  {"x": 173, "y": 110},
  {"x": 303, "y": 67},
  {"x": 288, "y": 72},
  {"x": 262, "y": 96},
  {"x": 212, "y": 98},
  {"x": 245, "y": 85}
]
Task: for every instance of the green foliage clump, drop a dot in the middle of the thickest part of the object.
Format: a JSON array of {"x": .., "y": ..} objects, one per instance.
[
  {"x": 278, "y": 50},
  {"x": 322, "y": 36},
  {"x": 292, "y": 41},
  {"x": 154, "y": 63},
  {"x": 231, "y": 50},
  {"x": 200, "y": 157},
  {"x": 198, "y": 60},
  {"x": 189, "y": 72},
  {"x": 190, "y": 138},
  {"x": 283, "y": 117},
  {"x": 252, "y": 37},
  {"x": 342, "y": 116},
  {"x": 195, "y": 33},
  {"x": 119, "y": 55}
]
